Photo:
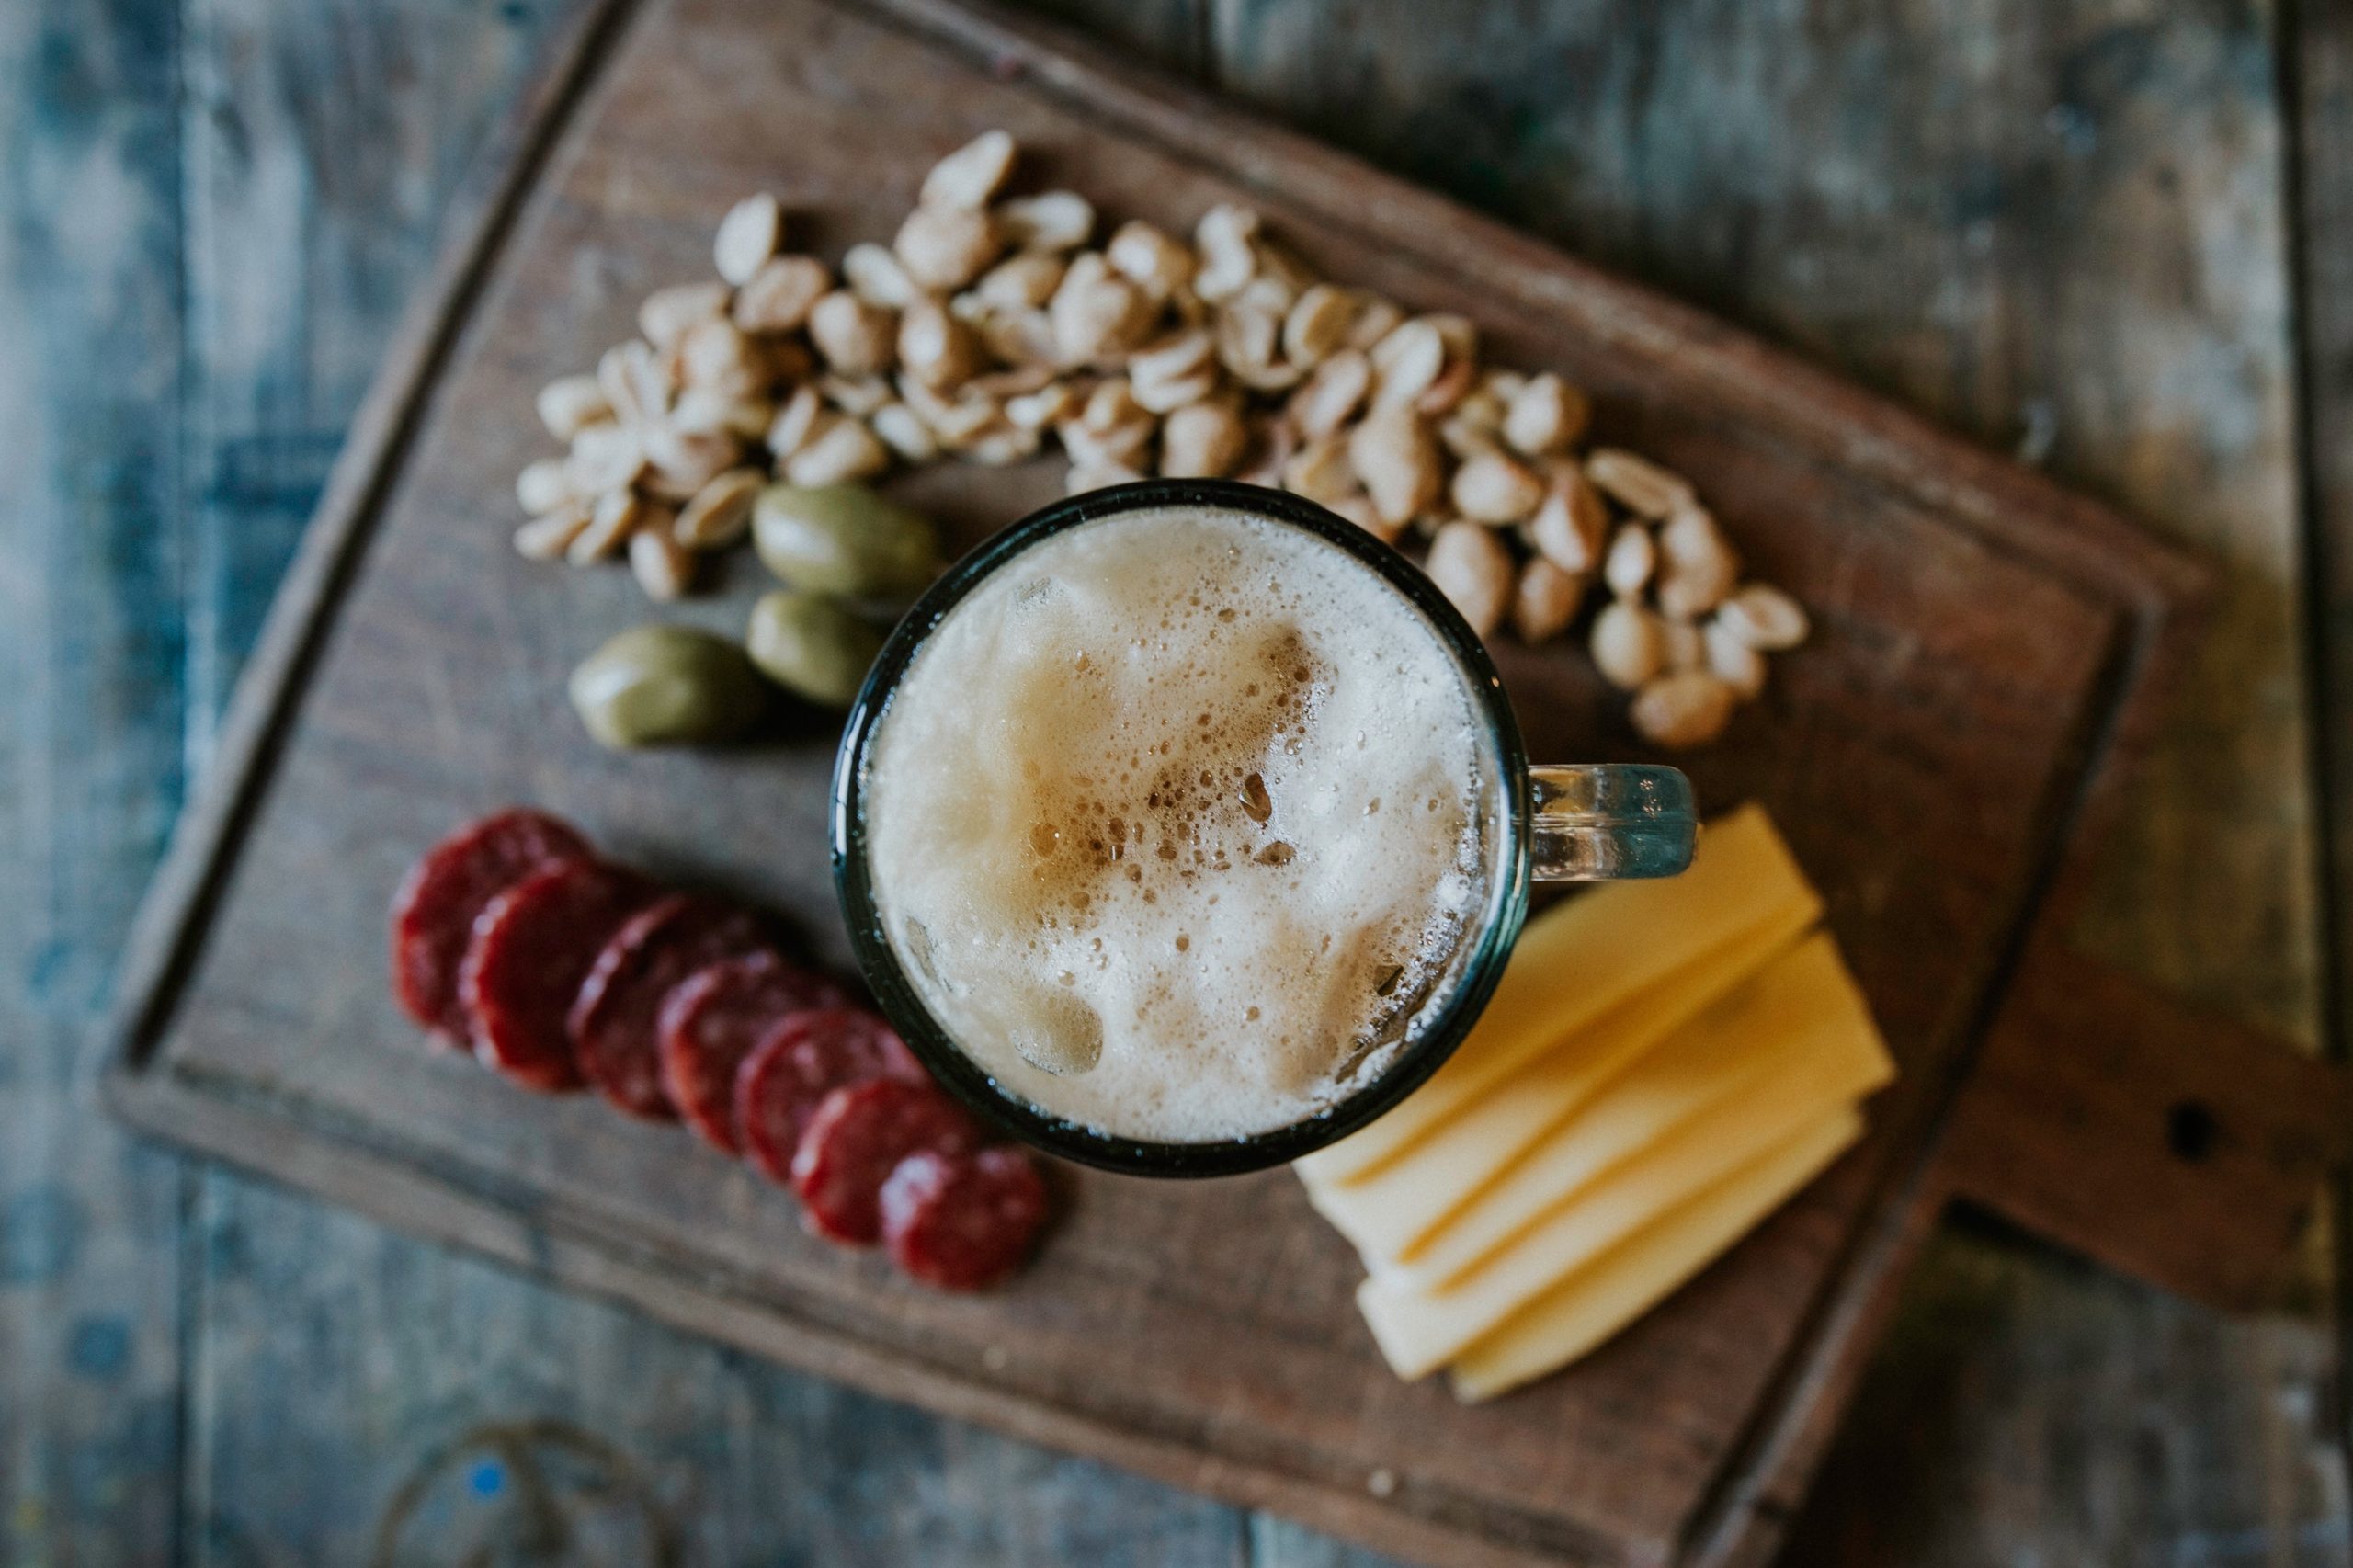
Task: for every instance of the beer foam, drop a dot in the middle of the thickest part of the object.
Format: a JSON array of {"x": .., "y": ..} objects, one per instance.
[{"x": 1174, "y": 822}]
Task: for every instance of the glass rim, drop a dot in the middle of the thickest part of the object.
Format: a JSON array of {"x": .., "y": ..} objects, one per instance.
[{"x": 1440, "y": 1031}]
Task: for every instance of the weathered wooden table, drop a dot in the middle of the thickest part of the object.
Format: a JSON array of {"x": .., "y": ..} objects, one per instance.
[{"x": 2116, "y": 238}]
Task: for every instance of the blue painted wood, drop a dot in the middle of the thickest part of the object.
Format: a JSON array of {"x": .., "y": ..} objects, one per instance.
[{"x": 91, "y": 719}]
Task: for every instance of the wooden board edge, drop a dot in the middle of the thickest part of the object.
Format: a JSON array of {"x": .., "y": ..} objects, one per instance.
[
  {"x": 166, "y": 934},
  {"x": 1873, "y": 434},
  {"x": 423, "y": 1203}
]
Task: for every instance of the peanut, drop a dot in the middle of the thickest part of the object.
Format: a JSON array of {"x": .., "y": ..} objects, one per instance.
[
  {"x": 1472, "y": 568},
  {"x": 1679, "y": 711},
  {"x": 571, "y": 403},
  {"x": 856, "y": 338},
  {"x": 1545, "y": 602},
  {"x": 1765, "y": 618},
  {"x": 947, "y": 247},
  {"x": 1397, "y": 460},
  {"x": 969, "y": 175},
  {"x": 777, "y": 298},
  {"x": 1627, "y": 644},
  {"x": 748, "y": 235},
  {"x": 1491, "y": 488}
]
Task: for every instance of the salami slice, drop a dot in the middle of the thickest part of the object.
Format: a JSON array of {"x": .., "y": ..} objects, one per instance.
[
  {"x": 801, "y": 1061},
  {"x": 963, "y": 1222},
  {"x": 716, "y": 1018},
  {"x": 615, "y": 1019},
  {"x": 857, "y": 1137},
  {"x": 433, "y": 914},
  {"x": 532, "y": 947}
]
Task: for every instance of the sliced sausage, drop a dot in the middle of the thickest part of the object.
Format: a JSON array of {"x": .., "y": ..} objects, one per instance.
[
  {"x": 716, "y": 1018},
  {"x": 963, "y": 1222},
  {"x": 615, "y": 1019},
  {"x": 532, "y": 947},
  {"x": 801, "y": 1061},
  {"x": 434, "y": 912},
  {"x": 857, "y": 1137}
]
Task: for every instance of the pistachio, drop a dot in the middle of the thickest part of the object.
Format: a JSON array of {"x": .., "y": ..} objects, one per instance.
[
  {"x": 1545, "y": 602},
  {"x": 844, "y": 538},
  {"x": 811, "y": 646},
  {"x": 748, "y": 235},
  {"x": 571, "y": 403},
  {"x": 969, "y": 175},
  {"x": 1473, "y": 569},
  {"x": 656, "y": 685},
  {"x": 1679, "y": 711},
  {"x": 1765, "y": 618}
]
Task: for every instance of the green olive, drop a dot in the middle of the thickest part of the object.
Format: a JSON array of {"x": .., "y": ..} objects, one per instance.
[
  {"x": 844, "y": 538},
  {"x": 812, "y": 646},
  {"x": 655, "y": 685}
]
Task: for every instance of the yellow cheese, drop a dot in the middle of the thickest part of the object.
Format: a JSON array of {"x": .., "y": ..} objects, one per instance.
[
  {"x": 1407, "y": 1204},
  {"x": 1419, "y": 1332},
  {"x": 1578, "y": 961},
  {"x": 1626, "y": 1281},
  {"x": 1769, "y": 1025}
]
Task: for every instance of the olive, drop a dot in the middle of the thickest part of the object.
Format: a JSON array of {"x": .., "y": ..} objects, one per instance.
[
  {"x": 810, "y": 645},
  {"x": 844, "y": 538},
  {"x": 656, "y": 685}
]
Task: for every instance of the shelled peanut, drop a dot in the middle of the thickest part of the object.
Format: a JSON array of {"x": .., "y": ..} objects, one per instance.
[{"x": 992, "y": 322}]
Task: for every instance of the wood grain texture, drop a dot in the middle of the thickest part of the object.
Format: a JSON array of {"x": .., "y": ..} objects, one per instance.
[
  {"x": 2044, "y": 604},
  {"x": 420, "y": 1365},
  {"x": 90, "y": 767}
]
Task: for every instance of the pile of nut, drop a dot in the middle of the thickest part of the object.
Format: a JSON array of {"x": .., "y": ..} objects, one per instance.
[{"x": 990, "y": 322}]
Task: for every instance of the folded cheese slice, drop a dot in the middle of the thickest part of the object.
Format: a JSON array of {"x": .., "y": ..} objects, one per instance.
[
  {"x": 1580, "y": 1312},
  {"x": 1410, "y": 1203},
  {"x": 1421, "y": 1331},
  {"x": 1575, "y": 962},
  {"x": 1767, "y": 1026}
]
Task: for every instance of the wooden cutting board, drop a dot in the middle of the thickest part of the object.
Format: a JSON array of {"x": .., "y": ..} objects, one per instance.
[{"x": 1990, "y": 648}]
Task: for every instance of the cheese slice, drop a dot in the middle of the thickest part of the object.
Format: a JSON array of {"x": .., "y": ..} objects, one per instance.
[
  {"x": 1622, "y": 1284},
  {"x": 1404, "y": 1206},
  {"x": 1768, "y": 1026},
  {"x": 1420, "y": 1331},
  {"x": 1574, "y": 963}
]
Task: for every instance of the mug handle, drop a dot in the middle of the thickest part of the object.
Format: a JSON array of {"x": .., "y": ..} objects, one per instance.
[{"x": 1609, "y": 821}]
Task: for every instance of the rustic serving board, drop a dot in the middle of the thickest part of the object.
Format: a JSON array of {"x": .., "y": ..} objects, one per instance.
[{"x": 1990, "y": 650}]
